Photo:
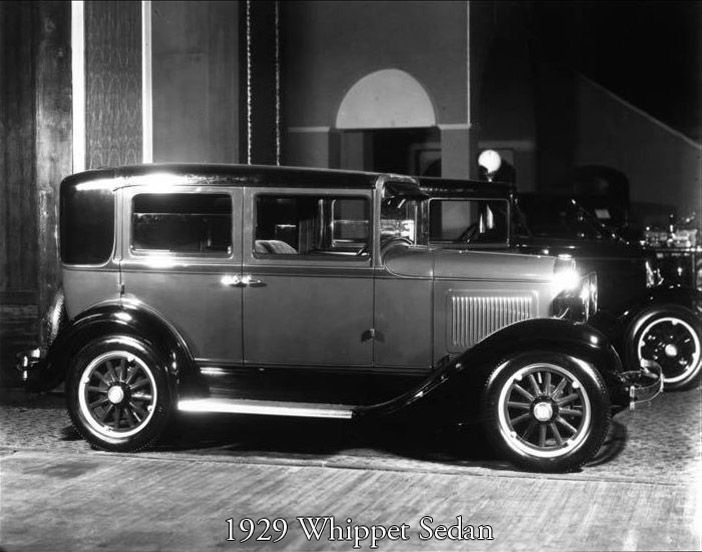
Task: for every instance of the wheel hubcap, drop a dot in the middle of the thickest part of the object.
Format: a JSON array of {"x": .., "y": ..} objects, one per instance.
[
  {"x": 544, "y": 411},
  {"x": 674, "y": 345},
  {"x": 117, "y": 394}
]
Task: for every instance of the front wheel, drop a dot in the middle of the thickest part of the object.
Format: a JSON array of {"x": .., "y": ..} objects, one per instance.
[
  {"x": 671, "y": 337},
  {"x": 117, "y": 394},
  {"x": 546, "y": 412}
]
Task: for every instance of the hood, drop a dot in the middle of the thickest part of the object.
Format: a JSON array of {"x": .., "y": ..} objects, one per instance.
[
  {"x": 428, "y": 262},
  {"x": 580, "y": 248}
]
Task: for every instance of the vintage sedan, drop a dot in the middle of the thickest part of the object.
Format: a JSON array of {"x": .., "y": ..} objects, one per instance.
[
  {"x": 654, "y": 320},
  {"x": 303, "y": 292}
]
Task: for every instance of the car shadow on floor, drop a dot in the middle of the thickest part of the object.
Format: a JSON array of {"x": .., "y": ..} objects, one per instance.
[
  {"x": 318, "y": 439},
  {"x": 323, "y": 440},
  {"x": 315, "y": 437}
]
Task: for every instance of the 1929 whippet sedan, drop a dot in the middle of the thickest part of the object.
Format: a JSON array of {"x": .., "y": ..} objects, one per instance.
[{"x": 303, "y": 292}]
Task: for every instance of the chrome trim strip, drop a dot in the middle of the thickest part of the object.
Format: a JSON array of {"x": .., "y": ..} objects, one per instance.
[
  {"x": 210, "y": 367},
  {"x": 268, "y": 408}
]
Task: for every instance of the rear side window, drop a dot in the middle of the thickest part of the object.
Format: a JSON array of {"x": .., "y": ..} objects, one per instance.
[
  {"x": 182, "y": 223},
  {"x": 87, "y": 225}
]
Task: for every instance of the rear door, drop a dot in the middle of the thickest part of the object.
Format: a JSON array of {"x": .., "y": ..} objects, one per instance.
[{"x": 182, "y": 260}]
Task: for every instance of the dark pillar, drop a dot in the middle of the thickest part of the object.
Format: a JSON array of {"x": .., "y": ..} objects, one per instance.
[
  {"x": 18, "y": 228},
  {"x": 261, "y": 67},
  {"x": 53, "y": 138}
]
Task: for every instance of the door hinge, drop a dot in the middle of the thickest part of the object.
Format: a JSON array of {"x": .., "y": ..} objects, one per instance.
[{"x": 120, "y": 288}]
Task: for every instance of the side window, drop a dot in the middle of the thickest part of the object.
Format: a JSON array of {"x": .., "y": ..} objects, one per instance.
[
  {"x": 192, "y": 224},
  {"x": 475, "y": 221},
  {"x": 87, "y": 225},
  {"x": 312, "y": 225}
]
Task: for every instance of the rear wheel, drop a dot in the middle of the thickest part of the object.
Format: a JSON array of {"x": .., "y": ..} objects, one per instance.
[
  {"x": 546, "y": 412},
  {"x": 117, "y": 394}
]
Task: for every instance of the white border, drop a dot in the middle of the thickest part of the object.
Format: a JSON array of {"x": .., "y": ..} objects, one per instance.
[
  {"x": 78, "y": 83},
  {"x": 147, "y": 109},
  {"x": 469, "y": 115}
]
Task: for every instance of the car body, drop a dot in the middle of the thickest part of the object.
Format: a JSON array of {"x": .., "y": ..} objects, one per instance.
[
  {"x": 678, "y": 249},
  {"x": 646, "y": 318},
  {"x": 303, "y": 292}
]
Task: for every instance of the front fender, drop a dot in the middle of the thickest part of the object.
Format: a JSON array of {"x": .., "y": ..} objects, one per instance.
[
  {"x": 453, "y": 391},
  {"x": 182, "y": 372},
  {"x": 687, "y": 297},
  {"x": 621, "y": 325}
]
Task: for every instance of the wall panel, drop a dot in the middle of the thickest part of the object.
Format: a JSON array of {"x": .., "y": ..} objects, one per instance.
[
  {"x": 195, "y": 61},
  {"x": 113, "y": 82},
  {"x": 18, "y": 230}
]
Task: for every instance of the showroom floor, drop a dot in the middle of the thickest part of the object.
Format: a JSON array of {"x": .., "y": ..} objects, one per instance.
[{"x": 643, "y": 492}]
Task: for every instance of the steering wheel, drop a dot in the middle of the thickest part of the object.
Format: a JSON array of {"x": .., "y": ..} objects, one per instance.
[{"x": 468, "y": 234}]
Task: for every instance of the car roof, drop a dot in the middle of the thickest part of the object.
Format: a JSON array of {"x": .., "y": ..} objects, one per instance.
[
  {"x": 233, "y": 175},
  {"x": 453, "y": 187}
]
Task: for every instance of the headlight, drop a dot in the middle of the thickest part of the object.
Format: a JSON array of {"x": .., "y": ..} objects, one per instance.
[
  {"x": 576, "y": 298},
  {"x": 653, "y": 276},
  {"x": 565, "y": 275}
]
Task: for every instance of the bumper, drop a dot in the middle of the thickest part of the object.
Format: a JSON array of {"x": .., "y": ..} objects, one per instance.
[
  {"x": 29, "y": 362},
  {"x": 643, "y": 385}
]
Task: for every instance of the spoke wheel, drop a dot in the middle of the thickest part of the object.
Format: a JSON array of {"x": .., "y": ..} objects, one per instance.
[
  {"x": 117, "y": 394},
  {"x": 674, "y": 343},
  {"x": 544, "y": 411}
]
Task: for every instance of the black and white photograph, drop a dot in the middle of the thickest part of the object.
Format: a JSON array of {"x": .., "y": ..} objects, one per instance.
[{"x": 350, "y": 275}]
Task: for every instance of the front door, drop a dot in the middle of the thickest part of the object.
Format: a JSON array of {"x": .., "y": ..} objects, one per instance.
[{"x": 308, "y": 295}]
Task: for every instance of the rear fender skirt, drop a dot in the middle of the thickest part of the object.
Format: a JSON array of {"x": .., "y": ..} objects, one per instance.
[
  {"x": 183, "y": 374},
  {"x": 452, "y": 392}
]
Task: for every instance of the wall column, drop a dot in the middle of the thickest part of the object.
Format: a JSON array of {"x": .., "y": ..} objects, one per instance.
[
  {"x": 458, "y": 151},
  {"x": 53, "y": 141}
]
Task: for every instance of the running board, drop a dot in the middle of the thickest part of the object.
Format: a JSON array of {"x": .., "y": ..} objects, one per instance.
[{"x": 268, "y": 408}]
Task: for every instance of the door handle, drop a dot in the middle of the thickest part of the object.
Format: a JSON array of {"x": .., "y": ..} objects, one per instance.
[
  {"x": 231, "y": 280},
  {"x": 234, "y": 280},
  {"x": 249, "y": 280}
]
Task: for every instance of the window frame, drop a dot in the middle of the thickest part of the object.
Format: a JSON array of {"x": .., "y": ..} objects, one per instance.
[
  {"x": 251, "y": 214},
  {"x": 471, "y": 244},
  {"x": 205, "y": 256}
]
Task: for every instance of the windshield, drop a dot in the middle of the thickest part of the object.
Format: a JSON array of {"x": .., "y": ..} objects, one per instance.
[
  {"x": 555, "y": 217},
  {"x": 475, "y": 221}
]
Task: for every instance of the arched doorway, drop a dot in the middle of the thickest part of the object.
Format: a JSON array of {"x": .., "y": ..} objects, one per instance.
[{"x": 387, "y": 122}]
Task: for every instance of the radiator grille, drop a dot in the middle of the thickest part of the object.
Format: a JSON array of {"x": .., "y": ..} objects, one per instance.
[{"x": 475, "y": 317}]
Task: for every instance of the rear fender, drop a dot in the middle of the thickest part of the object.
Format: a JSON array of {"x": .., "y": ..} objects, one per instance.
[{"x": 126, "y": 319}]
